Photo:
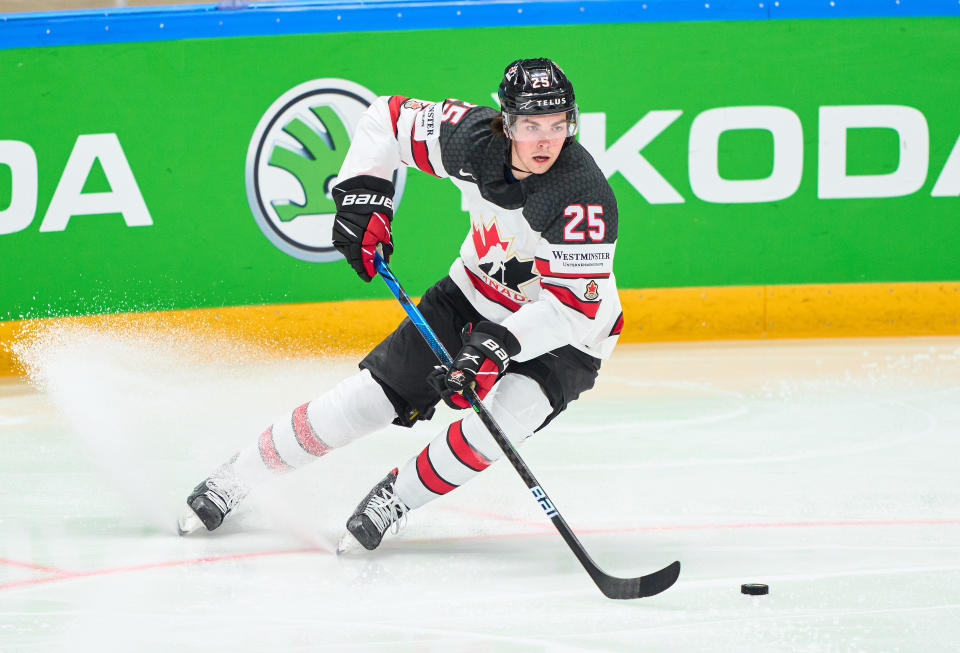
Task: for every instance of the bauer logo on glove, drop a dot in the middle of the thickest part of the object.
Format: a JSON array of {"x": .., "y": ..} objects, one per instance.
[
  {"x": 366, "y": 199},
  {"x": 364, "y": 212}
]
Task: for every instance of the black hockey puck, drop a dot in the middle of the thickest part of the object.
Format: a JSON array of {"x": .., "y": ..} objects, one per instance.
[{"x": 755, "y": 589}]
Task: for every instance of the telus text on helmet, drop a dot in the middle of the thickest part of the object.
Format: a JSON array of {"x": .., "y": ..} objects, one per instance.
[
  {"x": 551, "y": 102},
  {"x": 624, "y": 155}
]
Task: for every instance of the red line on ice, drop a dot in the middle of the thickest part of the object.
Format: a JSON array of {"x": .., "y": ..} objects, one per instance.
[
  {"x": 30, "y": 565},
  {"x": 70, "y": 575},
  {"x": 60, "y": 574}
]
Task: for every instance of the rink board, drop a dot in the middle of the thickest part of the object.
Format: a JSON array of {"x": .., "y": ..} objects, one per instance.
[{"x": 352, "y": 327}]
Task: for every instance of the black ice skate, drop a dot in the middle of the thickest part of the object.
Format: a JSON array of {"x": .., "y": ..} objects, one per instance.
[
  {"x": 212, "y": 500},
  {"x": 380, "y": 510}
]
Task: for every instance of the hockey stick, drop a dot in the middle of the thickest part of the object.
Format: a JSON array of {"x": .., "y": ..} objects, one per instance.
[{"x": 611, "y": 586}]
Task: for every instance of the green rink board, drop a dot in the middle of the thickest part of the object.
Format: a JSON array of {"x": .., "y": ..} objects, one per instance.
[{"x": 184, "y": 113}]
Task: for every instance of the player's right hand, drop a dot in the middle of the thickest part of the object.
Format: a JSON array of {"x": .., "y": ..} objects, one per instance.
[{"x": 364, "y": 213}]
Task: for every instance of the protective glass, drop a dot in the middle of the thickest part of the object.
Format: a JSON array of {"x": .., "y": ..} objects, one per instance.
[{"x": 551, "y": 126}]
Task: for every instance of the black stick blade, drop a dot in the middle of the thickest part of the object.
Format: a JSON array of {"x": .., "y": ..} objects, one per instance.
[{"x": 635, "y": 588}]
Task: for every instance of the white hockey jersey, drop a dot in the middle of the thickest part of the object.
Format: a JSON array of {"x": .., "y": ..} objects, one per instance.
[{"x": 539, "y": 255}]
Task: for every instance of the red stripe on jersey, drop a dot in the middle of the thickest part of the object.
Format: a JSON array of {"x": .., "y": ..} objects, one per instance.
[
  {"x": 543, "y": 269},
  {"x": 269, "y": 454},
  {"x": 305, "y": 435},
  {"x": 420, "y": 156},
  {"x": 567, "y": 298},
  {"x": 394, "y": 105},
  {"x": 428, "y": 475},
  {"x": 463, "y": 450},
  {"x": 618, "y": 327},
  {"x": 491, "y": 293}
]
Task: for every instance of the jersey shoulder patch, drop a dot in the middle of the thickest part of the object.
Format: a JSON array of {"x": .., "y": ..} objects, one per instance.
[{"x": 464, "y": 134}]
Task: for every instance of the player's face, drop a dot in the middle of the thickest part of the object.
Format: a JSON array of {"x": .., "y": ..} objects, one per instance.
[{"x": 537, "y": 141}]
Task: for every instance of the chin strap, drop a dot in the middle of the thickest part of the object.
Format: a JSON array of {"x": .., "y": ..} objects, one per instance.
[{"x": 510, "y": 159}]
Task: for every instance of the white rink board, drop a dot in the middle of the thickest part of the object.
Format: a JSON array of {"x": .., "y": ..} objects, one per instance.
[{"x": 826, "y": 469}]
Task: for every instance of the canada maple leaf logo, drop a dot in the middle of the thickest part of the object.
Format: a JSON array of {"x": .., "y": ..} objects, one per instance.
[
  {"x": 486, "y": 238},
  {"x": 496, "y": 261}
]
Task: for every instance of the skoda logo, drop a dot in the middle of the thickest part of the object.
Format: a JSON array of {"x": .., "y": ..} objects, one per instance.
[{"x": 293, "y": 160}]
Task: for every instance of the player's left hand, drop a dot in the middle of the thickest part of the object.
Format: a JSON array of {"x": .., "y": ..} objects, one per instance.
[{"x": 487, "y": 348}]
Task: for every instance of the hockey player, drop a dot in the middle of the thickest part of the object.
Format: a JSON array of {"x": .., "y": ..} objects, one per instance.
[{"x": 530, "y": 305}]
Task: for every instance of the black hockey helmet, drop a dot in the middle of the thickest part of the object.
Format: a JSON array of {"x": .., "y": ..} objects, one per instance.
[{"x": 536, "y": 87}]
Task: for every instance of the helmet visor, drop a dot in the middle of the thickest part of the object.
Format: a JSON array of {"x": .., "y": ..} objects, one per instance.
[{"x": 545, "y": 127}]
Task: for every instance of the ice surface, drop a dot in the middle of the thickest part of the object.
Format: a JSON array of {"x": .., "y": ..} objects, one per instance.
[{"x": 826, "y": 469}]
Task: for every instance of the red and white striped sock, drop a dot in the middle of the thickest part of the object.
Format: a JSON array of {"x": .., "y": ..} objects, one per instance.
[
  {"x": 466, "y": 448},
  {"x": 353, "y": 408}
]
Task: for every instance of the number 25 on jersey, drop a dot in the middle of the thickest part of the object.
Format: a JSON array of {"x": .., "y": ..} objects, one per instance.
[{"x": 575, "y": 231}]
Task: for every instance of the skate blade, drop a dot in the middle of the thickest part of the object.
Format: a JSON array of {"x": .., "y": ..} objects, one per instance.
[
  {"x": 349, "y": 545},
  {"x": 188, "y": 523}
]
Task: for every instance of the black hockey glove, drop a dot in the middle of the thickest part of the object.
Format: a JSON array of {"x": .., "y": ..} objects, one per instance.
[
  {"x": 364, "y": 212},
  {"x": 486, "y": 351}
]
